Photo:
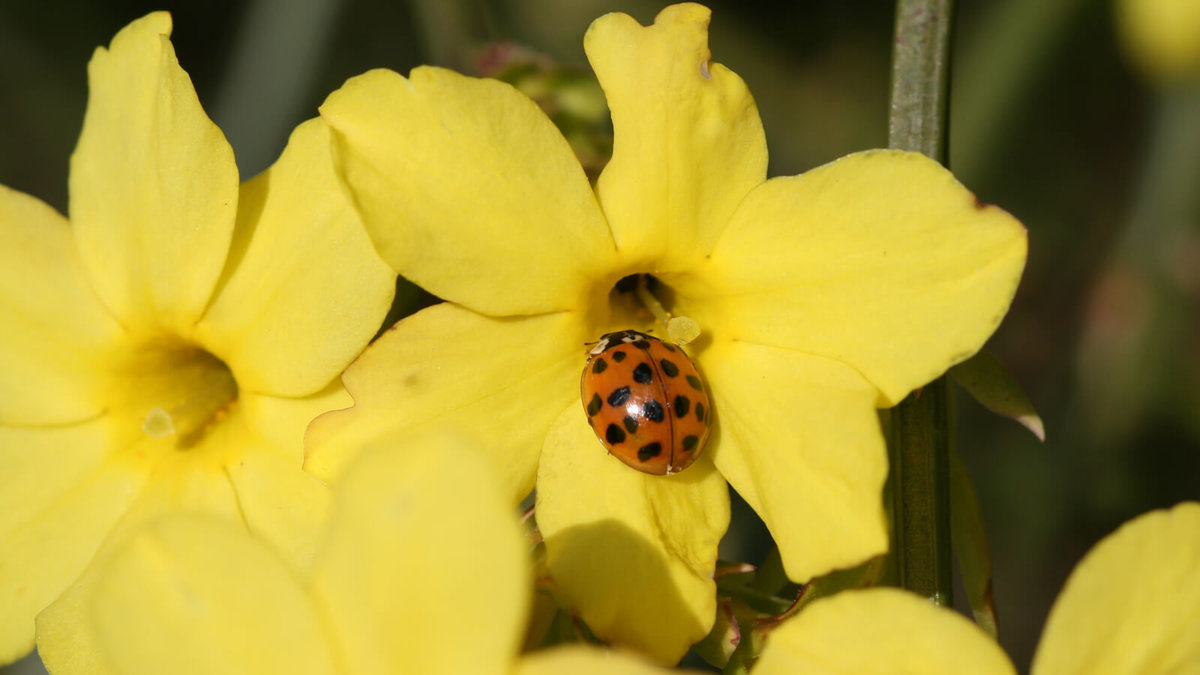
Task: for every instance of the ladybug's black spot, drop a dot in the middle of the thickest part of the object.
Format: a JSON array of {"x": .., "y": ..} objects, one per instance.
[
  {"x": 614, "y": 435},
  {"x": 630, "y": 425},
  {"x": 594, "y": 405},
  {"x": 618, "y": 397},
  {"x": 642, "y": 374},
  {"x": 670, "y": 347},
  {"x": 618, "y": 356},
  {"x": 641, "y": 344},
  {"x": 681, "y": 405},
  {"x": 599, "y": 366},
  {"x": 700, "y": 411},
  {"x": 653, "y": 410},
  {"x": 689, "y": 442},
  {"x": 649, "y": 451},
  {"x": 669, "y": 367},
  {"x": 695, "y": 382}
]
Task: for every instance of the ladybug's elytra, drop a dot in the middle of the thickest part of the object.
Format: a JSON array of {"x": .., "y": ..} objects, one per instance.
[{"x": 646, "y": 402}]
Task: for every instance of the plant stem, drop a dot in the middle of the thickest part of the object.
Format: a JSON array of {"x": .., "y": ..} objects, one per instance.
[
  {"x": 921, "y": 77},
  {"x": 919, "y": 445},
  {"x": 920, "y": 472}
]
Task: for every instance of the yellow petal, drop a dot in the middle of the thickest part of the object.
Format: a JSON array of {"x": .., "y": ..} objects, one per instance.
[
  {"x": 424, "y": 569},
  {"x": 1132, "y": 605},
  {"x": 799, "y": 439},
  {"x": 687, "y": 140},
  {"x": 281, "y": 421},
  {"x": 281, "y": 503},
  {"x": 634, "y": 554},
  {"x": 193, "y": 594},
  {"x": 55, "y": 330},
  {"x": 216, "y": 475},
  {"x": 469, "y": 190},
  {"x": 64, "y": 644},
  {"x": 43, "y": 465},
  {"x": 881, "y": 630},
  {"x": 153, "y": 183},
  {"x": 304, "y": 289},
  {"x": 181, "y": 485},
  {"x": 248, "y": 470},
  {"x": 45, "y": 552},
  {"x": 197, "y": 480},
  {"x": 880, "y": 260},
  {"x": 276, "y": 498},
  {"x": 499, "y": 382},
  {"x": 581, "y": 660}
]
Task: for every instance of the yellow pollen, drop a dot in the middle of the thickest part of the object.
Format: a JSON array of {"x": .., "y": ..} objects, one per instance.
[{"x": 683, "y": 329}]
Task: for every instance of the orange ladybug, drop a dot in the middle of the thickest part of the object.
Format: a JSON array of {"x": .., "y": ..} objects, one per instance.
[{"x": 646, "y": 402}]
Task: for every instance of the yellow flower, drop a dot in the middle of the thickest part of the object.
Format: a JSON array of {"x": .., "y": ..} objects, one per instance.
[
  {"x": 422, "y": 569},
  {"x": 165, "y": 349},
  {"x": 821, "y": 297},
  {"x": 1162, "y": 37},
  {"x": 1132, "y": 605}
]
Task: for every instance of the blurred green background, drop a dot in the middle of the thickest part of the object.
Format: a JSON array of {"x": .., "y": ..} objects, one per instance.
[{"x": 1048, "y": 120}]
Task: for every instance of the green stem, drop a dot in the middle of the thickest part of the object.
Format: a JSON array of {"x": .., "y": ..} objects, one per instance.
[
  {"x": 919, "y": 446},
  {"x": 919, "y": 450},
  {"x": 921, "y": 77}
]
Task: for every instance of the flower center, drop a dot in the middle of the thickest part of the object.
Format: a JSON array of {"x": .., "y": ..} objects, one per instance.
[
  {"x": 637, "y": 296},
  {"x": 178, "y": 392}
]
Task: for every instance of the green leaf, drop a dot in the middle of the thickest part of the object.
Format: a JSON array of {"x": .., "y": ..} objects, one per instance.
[
  {"x": 990, "y": 383},
  {"x": 970, "y": 545}
]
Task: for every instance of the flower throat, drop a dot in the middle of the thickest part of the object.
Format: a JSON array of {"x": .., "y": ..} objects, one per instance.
[
  {"x": 641, "y": 293},
  {"x": 186, "y": 390}
]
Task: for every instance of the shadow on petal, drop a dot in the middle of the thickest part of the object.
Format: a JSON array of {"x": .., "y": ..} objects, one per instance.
[{"x": 625, "y": 590}]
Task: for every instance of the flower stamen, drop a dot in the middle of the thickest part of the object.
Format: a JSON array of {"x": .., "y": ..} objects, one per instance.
[
  {"x": 680, "y": 329},
  {"x": 661, "y": 316},
  {"x": 198, "y": 392}
]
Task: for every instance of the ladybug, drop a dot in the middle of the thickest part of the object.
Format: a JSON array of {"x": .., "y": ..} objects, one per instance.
[{"x": 646, "y": 402}]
